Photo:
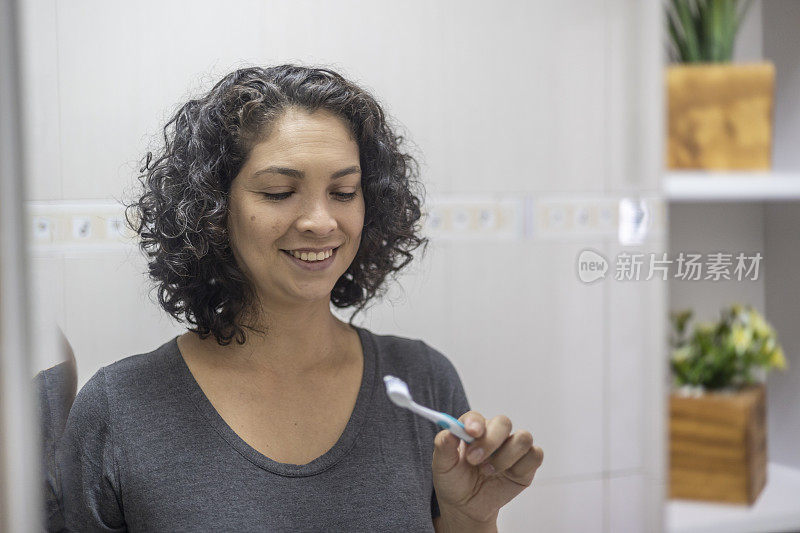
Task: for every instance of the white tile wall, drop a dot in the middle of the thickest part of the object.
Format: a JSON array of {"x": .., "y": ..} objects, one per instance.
[
  {"x": 521, "y": 116},
  {"x": 109, "y": 311},
  {"x": 628, "y": 358},
  {"x": 524, "y": 332},
  {"x": 48, "y": 312},
  {"x": 417, "y": 304},
  {"x": 535, "y": 101},
  {"x": 568, "y": 506},
  {"x": 633, "y": 85},
  {"x": 625, "y": 507},
  {"x": 122, "y": 68}
]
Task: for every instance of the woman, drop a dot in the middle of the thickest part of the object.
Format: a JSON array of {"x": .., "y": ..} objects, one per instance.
[{"x": 279, "y": 192}]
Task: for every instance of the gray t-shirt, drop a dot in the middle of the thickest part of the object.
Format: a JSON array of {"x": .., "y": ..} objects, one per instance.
[{"x": 145, "y": 450}]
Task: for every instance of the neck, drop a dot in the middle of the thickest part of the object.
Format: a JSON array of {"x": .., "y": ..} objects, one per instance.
[{"x": 298, "y": 340}]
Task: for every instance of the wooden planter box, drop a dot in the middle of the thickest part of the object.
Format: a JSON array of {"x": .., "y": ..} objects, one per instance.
[
  {"x": 718, "y": 446},
  {"x": 720, "y": 116}
]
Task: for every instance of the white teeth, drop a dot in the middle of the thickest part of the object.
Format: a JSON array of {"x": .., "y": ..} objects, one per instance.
[{"x": 311, "y": 256}]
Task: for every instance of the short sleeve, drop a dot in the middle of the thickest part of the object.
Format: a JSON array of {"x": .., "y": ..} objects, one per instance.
[
  {"x": 86, "y": 460},
  {"x": 449, "y": 393},
  {"x": 453, "y": 400},
  {"x": 459, "y": 402}
]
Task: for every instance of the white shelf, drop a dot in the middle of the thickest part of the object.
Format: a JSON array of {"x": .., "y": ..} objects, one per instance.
[
  {"x": 777, "y": 509},
  {"x": 702, "y": 186}
]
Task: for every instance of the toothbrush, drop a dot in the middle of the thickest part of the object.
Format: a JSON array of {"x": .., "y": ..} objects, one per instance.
[{"x": 398, "y": 393}]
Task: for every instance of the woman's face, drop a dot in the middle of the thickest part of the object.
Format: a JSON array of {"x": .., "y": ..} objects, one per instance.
[{"x": 299, "y": 189}]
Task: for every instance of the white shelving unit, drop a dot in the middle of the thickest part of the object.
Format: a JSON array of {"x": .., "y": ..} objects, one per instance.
[
  {"x": 777, "y": 509},
  {"x": 749, "y": 211},
  {"x": 731, "y": 186}
]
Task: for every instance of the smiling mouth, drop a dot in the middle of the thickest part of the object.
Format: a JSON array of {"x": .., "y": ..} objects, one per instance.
[{"x": 317, "y": 259}]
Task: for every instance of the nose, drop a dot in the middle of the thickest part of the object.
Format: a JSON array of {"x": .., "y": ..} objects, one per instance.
[{"x": 316, "y": 216}]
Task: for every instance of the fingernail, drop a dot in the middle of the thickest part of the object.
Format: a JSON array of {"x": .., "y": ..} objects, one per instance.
[
  {"x": 488, "y": 469},
  {"x": 475, "y": 455},
  {"x": 474, "y": 426}
]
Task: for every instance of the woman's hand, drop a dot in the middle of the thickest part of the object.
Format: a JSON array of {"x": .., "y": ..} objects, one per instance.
[{"x": 472, "y": 489}]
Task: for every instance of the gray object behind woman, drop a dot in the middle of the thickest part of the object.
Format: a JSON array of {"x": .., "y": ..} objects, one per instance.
[{"x": 56, "y": 388}]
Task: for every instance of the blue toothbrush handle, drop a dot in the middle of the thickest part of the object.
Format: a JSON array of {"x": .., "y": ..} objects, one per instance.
[{"x": 455, "y": 427}]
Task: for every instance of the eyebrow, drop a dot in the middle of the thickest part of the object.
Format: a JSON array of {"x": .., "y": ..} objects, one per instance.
[{"x": 291, "y": 172}]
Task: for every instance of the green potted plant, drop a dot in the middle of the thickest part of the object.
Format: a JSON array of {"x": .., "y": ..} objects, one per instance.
[
  {"x": 717, "y": 424},
  {"x": 720, "y": 113}
]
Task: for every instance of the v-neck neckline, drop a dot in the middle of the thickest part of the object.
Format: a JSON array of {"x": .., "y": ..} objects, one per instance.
[{"x": 342, "y": 446}]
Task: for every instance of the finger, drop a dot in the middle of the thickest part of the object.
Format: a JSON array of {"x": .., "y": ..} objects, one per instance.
[
  {"x": 474, "y": 422},
  {"x": 511, "y": 451},
  {"x": 497, "y": 431},
  {"x": 445, "y": 452},
  {"x": 523, "y": 470}
]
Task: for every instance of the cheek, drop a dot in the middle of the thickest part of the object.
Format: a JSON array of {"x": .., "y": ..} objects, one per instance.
[
  {"x": 269, "y": 227},
  {"x": 355, "y": 220},
  {"x": 257, "y": 232},
  {"x": 357, "y": 229}
]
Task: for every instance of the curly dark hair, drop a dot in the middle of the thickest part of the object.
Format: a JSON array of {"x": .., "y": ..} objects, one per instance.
[{"x": 181, "y": 211}]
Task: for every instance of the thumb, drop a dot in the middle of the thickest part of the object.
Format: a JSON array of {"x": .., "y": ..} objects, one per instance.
[{"x": 445, "y": 452}]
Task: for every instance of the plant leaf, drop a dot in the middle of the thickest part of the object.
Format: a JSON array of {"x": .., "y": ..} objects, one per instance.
[
  {"x": 702, "y": 31},
  {"x": 679, "y": 43},
  {"x": 688, "y": 25},
  {"x": 717, "y": 33},
  {"x": 729, "y": 30}
]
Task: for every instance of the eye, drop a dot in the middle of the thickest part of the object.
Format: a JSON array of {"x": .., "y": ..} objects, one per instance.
[
  {"x": 278, "y": 196},
  {"x": 345, "y": 196}
]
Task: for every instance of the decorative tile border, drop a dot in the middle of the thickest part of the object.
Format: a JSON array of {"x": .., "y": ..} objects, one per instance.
[
  {"x": 64, "y": 226},
  {"x": 97, "y": 225}
]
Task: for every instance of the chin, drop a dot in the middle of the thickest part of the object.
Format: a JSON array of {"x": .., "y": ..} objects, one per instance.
[{"x": 313, "y": 295}]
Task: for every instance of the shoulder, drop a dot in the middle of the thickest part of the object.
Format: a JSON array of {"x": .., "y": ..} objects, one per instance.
[
  {"x": 427, "y": 370},
  {"x": 91, "y": 402},
  {"x": 135, "y": 368},
  {"x": 411, "y": 352},
  {"x": 130, "y": 381}
]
